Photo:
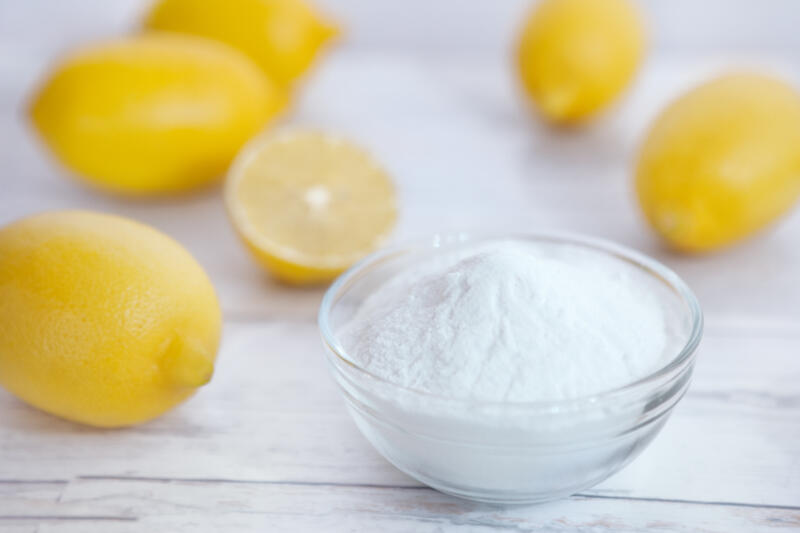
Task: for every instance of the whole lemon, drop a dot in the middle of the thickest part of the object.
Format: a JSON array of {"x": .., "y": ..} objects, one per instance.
[
  {"x": 282, "y": 36},
  {"x": 103, "y": 320},
  {"x": 722, "y": 161},
  {"x": 153, "y": 114},
  {"x": 576, "y": 56}
]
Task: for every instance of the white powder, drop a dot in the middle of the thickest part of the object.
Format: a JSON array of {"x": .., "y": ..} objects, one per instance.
[{"x": 512, "y": 321}]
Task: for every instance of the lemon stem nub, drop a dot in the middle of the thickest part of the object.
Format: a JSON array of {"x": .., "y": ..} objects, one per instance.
[
  {"x": 186, "y": 365},
  {"x": 558, "y": 103},
  {"x": 329, "y": 31}
]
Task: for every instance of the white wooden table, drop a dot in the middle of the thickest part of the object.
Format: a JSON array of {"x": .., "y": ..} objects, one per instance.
[{"x": 268, "y": 446}]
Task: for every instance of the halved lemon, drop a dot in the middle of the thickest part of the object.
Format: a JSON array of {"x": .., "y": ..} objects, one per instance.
[{"x": 309, "y": 205}]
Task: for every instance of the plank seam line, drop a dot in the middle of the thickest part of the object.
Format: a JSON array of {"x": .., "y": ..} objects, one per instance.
[
  {"x": 253, "y": 482},
  {"x": 688, "y": 502},
  {"x": 420, "y": 487}
]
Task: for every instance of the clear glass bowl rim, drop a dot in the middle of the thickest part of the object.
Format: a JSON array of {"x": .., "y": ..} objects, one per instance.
[{"x": 641, "y": 387}]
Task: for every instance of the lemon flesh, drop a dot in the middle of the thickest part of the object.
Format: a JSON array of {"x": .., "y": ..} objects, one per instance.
[
  {"x": 721, "y": 162},
  {"x": 103, "y": 320},
  {"x": 576, "y": 56},
  {"x": 309, "y": 205},
  {"x": 282, "y": 36},
  {"x": 153, "y": 114}
]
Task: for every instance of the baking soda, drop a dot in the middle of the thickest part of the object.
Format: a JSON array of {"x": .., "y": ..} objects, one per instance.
[{"x": 512, "y": 321}]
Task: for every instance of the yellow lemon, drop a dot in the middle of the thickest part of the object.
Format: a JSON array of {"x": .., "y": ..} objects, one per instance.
[
  {"x": 576, "y": 56},
  {"x": 103, "y": 320},
  {"x": 282, "y": 36},
  {"x": 722, "y": 161},
  {"x": 153, "y": 114},
  {"x": 309, "y": 205}
]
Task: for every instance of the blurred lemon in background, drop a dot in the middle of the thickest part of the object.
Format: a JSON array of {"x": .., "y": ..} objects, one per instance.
[
  {"x": 103, "y": 320},
  {"x": 153, "y": 114},
  {"x": 722, "y": 161},
  {"x": 282, "y": 36},
  {"x": 576, "y": 56},
  {"x": 309, "y": 205}
]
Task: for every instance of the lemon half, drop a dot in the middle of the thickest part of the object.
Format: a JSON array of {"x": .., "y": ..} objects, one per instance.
[{"x": 309, "y": 205}]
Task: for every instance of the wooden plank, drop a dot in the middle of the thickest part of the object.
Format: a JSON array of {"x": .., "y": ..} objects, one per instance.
[
  {"x": 21, "y": 502},
  {"x": 189, "y": 506},
  {"x": 27, "y": 493},
  {"x": 273, "y": 414},
  {"x": 21, "y": 526}
]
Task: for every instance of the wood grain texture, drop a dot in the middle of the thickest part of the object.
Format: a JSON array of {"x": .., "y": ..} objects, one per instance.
[
  {"x": 271, "y": 425},
  {"x": 268, "y": 445},
  {"x": 171, "y": 506}
]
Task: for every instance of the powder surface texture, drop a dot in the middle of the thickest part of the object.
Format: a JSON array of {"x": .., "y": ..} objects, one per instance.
[{"x": 512, "y": 321}]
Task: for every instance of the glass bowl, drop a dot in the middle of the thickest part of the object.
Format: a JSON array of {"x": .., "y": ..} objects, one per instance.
[{"x": 509, "y": 452}]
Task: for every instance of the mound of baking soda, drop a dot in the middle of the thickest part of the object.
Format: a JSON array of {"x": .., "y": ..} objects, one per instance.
[{"x": 512, "y": 321}]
